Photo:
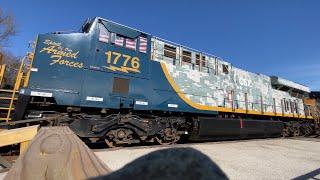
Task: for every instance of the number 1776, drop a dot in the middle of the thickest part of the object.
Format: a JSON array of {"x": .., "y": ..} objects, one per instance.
[{"x": 114, "y": 57}]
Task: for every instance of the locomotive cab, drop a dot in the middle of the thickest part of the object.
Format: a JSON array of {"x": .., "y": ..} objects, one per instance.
[{"x": 104, "y": 66}]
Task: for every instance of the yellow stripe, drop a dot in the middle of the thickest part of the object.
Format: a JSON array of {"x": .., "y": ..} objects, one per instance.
[
  {"x": 309, "y": 117},
  {"x": 213, "y": 108},
  {"x": 240, "y": 111},
  {"x": 269, "y": 113}
]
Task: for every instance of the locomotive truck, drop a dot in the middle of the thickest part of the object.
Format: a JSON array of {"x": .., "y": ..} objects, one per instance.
[{"x": 117, "y": 84}]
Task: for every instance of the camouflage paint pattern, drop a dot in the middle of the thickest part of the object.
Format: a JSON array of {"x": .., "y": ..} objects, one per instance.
[{"x": 211, "y": 86}]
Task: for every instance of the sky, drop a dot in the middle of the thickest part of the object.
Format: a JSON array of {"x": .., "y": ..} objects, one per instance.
[{"x": 271, "y": 37}]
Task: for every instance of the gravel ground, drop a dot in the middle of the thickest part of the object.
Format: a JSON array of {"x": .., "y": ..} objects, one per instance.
[
  {"x": 2, "y": 175},
  {"x": 252, "y": 159}
]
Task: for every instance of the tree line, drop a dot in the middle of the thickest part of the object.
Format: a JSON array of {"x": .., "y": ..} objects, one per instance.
[{"x": 7, "y": 30}]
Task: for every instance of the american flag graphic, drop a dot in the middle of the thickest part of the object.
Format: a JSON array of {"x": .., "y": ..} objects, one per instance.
[
  {"x": 143, "y": 44},
  {"x": 104, "y": 34},
  {"x": 131, "y": 44},
  {"x": 119, "y": 41}
]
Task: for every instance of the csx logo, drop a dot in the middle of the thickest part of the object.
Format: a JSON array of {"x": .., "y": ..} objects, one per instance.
[
  {"x": 122, "y": 62},
  {"x": 245, "y": 82}
]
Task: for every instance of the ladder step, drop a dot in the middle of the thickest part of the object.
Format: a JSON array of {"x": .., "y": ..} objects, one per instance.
[
  {"x": 4, "y": 119},
  {"x": 7, "y": 98},
  {"x": 5, "y": 108},
  {"x": 7, "y": 90}
]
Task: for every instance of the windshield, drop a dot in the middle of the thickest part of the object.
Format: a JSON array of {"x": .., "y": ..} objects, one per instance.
[{"x": 86, "y": 26}]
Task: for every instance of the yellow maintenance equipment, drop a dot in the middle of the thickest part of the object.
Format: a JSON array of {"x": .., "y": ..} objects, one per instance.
[
  {"x": 8, "y": 97},
  {"x": 21, "y": 136}
]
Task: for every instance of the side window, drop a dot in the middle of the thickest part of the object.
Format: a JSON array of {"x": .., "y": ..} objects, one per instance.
[
  {"x": 197, "y": 59},
  {"x": 170, "y": 51},
  {"x": 204, "y": 62},
  {"x": 104, "y": 34},
  {"x": 186, "y": 56},
  {"x": 225, "y": 69}
]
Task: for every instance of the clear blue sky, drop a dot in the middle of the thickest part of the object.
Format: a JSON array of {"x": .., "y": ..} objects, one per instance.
[{"x": 272, "y": 37}]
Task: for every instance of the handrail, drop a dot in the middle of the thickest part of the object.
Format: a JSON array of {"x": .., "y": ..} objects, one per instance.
[
  {"x": 2, "y": 71},
  {"x": 12, "y": 97},
  {"x": 16, "y": 88}
]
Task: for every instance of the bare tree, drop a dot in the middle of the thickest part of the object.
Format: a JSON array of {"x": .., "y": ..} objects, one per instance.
[
  {"x": 11, "y": 72},
  {"x": 7, "y": 27}
]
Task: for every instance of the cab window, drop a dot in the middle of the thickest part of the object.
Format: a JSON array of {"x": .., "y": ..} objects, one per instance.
[
  {"x": 104, "y": 34},
  {"x": 136, "y": 44}
]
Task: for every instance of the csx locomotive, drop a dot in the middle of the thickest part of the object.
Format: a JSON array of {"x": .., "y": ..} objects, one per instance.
[{"x": 124, "y": 86}]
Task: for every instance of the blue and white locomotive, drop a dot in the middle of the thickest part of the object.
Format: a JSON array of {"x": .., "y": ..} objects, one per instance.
[{"x": 118, "y": 84}]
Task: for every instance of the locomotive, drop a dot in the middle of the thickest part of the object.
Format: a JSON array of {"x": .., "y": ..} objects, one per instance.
[{"x": 113, "y": 83}]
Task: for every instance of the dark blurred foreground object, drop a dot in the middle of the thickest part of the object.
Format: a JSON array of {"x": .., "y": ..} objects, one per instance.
[
  {"x": 173, "y": 163},
  {"x": 57, "y": 153}
]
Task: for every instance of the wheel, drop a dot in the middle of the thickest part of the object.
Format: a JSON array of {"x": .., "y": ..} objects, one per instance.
[
  {"x": 119, "y": 137},
  {"x": 161, "y": 141},
  {"x": 296, "y": 131},
  {"x": 110, "y": 143},
  {"x": 167, "y": 137},
  {"x": 286, "y": 132},
  {"x": 307, "y": 131}
]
